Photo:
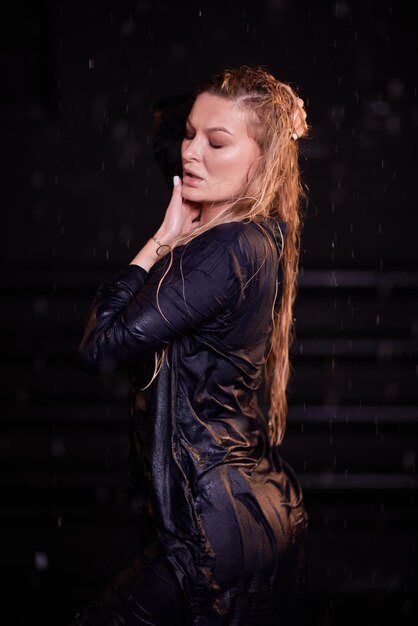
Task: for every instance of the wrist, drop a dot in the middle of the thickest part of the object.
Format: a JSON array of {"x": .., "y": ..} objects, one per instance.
[
  {"x": 153, "y": 249},
  {"x": 161, "y": 243},
  {"x": 148, "y": 255},
  {"x": 157, "y": 242},
  {"x": 162, "y": 237}
]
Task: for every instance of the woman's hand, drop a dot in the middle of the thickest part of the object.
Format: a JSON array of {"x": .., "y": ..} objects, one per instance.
[
  {"x": 180, "y": 217},
  {"x": 300, "y": 126}
]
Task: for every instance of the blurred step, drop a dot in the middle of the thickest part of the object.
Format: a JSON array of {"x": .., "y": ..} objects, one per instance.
[
  {"x": 328, "y": 301},
  {"x": 314, "y": 380},
  {"x": 326, "y": 449},
  {"x": 327, "y": 312}
]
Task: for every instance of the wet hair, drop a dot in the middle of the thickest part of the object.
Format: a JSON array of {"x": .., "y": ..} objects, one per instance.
[{"x": 274, "y": 190}]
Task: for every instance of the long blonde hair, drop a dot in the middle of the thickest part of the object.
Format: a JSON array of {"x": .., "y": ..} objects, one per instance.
[{"x": 275, "y": 190}]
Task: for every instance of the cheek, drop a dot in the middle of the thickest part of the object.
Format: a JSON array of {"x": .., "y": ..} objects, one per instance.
[
  {"x": 253, "y": 166},
  {"x": 227, "y": 164},
  {"x": 231, "y": 167},
  {"x": 241, "y": 167}
]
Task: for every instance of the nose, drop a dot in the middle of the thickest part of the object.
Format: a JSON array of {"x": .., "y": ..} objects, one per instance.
[{"x": 192, "y": 149}]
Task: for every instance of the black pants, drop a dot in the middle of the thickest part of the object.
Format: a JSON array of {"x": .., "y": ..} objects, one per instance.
[{"x": 146, "y": 592}]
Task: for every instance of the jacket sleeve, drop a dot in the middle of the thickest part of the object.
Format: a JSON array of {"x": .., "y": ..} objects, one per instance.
[{"x": 126, "y": 322}]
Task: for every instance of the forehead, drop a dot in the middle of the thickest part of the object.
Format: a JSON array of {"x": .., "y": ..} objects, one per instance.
[{"x": 210, "y": 111}]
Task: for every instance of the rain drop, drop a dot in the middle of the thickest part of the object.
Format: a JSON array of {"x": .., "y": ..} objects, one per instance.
[{"x": 41, "y": 561}]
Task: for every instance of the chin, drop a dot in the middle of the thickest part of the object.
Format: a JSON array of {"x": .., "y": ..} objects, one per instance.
[{"x": 192, "y": 194}]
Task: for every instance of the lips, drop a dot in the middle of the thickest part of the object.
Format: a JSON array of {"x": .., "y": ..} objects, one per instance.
[
  {"x": 190, "y": 179},
  {"x": 192, "y": 175}
]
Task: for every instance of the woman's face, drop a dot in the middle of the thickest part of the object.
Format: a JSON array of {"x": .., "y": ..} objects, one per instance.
[{"x": 218, "y": 154}]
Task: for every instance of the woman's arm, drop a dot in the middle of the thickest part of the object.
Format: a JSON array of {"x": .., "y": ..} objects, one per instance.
[
  {"x": 127, "y": 320},
  {"x": 119, "y": 326}
]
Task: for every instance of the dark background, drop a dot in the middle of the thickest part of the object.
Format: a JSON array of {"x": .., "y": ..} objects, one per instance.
[{"x": 81, "y": 192}]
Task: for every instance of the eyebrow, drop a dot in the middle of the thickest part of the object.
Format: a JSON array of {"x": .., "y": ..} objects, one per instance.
[{"x": 210, "y": 130}]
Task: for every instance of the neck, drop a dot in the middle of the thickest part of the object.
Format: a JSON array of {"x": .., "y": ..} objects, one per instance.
[{"x": 209, "y": 211}]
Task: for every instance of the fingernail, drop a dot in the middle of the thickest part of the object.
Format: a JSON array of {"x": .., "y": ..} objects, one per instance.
[
  {"x": 176, "y": 180},
  {"x": 295, "y": 136}
]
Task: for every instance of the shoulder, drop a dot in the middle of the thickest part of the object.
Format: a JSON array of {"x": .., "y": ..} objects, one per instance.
[
  {"x": 223, "y": 233},
  {"x": 227, "y": 248},
  {"x": 222, "y": 244},
  {"x": 249, "y": 240},
  {"x": 233, "y": 235}
]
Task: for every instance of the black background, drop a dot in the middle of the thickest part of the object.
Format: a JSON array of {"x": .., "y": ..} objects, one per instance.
[{"x": 81, "y": 192}]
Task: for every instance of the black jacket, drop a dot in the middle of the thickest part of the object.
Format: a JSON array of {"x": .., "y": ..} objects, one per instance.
[{"x": 226, "y": 508}]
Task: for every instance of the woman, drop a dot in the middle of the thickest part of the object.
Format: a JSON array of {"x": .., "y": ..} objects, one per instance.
[{"x": 201, "y": 313}]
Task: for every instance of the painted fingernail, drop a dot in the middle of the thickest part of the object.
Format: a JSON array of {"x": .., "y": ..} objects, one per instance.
[
  {"x": 295, "y": 136},
  {"x": 176, "y": 180}
]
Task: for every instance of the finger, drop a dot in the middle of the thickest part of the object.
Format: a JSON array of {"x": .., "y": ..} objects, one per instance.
[
  {"x": 177, "y": 184},
  {"x": 301, "y": 114},
  {"x": 176, "y": 197},
  {"x": 299, "y": 121}
]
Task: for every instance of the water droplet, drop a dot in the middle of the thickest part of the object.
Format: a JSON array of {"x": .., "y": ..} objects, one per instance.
[
  {"x": 41, "y": 561},
  {"x": 57, "y": 448}
]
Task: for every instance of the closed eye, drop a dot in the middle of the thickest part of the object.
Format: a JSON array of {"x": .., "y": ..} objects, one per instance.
[{"x": 212, "y": 145}]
